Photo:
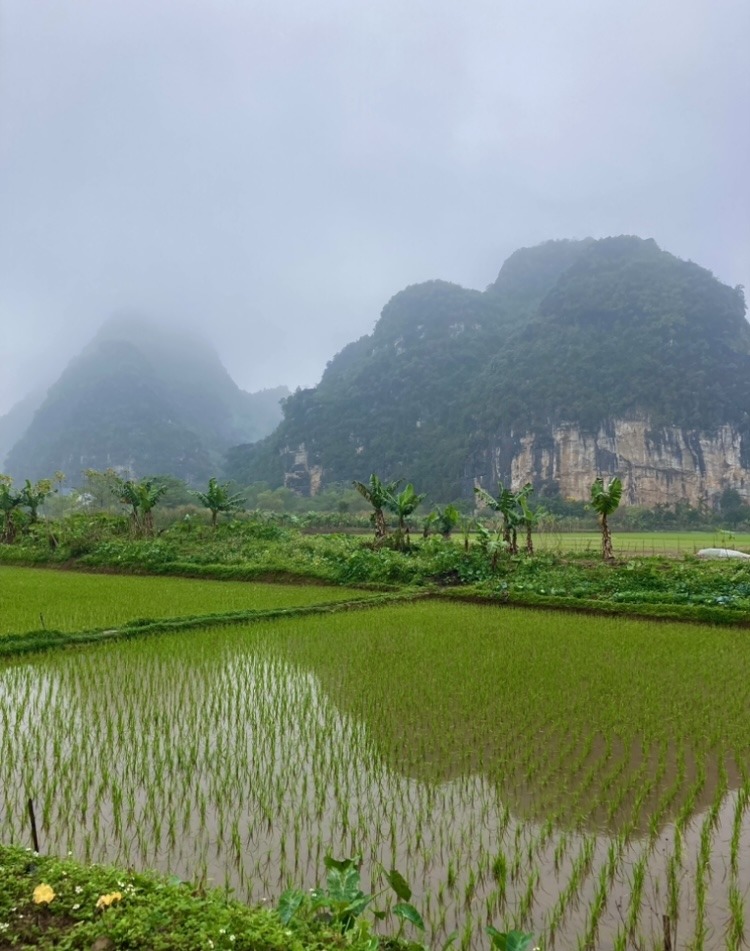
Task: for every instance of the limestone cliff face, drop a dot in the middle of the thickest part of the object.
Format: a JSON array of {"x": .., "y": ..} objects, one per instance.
[
  {"x": 656, "y": 465},
  {"x": 300, "y": 474}
]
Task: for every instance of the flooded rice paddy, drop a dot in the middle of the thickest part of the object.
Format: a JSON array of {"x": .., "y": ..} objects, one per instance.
[{"x": 580, "y": 778}]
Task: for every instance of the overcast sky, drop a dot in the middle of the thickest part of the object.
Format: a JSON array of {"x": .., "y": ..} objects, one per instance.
[{"x": 273, "y": 171}]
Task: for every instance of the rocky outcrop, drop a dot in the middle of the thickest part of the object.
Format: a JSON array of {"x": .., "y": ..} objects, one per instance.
[
  {"x": 300, "y": 474},
  {"x": 657, "y": 466}
]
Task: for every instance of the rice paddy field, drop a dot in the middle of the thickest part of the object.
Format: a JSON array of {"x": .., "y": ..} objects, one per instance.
[
  {"x": 642, "y": 543},
  {"x": 38, "y": 598},
  {"x": 573, "y": 776}
]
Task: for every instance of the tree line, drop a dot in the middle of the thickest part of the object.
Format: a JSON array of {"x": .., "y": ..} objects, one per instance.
[
  {"x": 513, "y": 507},
  {"x": 517, "y": 515},
  {"x": 19, "y": 508}
]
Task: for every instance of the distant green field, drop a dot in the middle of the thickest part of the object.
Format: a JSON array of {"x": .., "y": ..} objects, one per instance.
[
  {"x": 642, "y": 543},
  {"x": 35, "y": 598}
]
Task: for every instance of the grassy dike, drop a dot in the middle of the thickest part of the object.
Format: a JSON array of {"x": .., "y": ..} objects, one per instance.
[
  {"x": 102, "y": 908},
  {"x": 31, "y": 642}
]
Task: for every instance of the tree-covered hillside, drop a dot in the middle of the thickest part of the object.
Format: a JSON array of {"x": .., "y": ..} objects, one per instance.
[
  {"x": 571, "y": 331},
  {"x": 146, "y": 400},
  {"x": 626, "y": 329}
]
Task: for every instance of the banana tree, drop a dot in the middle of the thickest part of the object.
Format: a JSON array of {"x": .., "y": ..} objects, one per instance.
[
  {"x": 493, "y": 545},
  {"x": 403, "y": 505},
  {"x": 529, "y": 517},
  {"x": 442, "y": 520},
  {"x": 604, "y": 501},
  {"x": 507, "y": 504},
  {"x": 142, "y": 498},
  {"x": 379, "y": 495},
  {"x": 32, "y": 496},
  {"x": 218, "y": 499},
  {"x": 9, "y": 502}
]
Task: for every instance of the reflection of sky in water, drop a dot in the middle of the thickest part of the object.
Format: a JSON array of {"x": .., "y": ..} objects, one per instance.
[{"x": 204, "y": 758}]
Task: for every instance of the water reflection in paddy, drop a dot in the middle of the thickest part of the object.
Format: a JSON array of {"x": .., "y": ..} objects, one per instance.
[{"x": 242, "y": 757}]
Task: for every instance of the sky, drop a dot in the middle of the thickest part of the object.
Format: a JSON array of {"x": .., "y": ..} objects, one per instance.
[{"x": 270, "y": 172}]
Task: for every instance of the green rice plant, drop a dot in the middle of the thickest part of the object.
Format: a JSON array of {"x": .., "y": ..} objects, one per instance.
[
  {"x": 736, "y": 927},
  {"x": 596, "y": 909},
  {"x": 245, "y": 754},
  {"x": 636, "y": 897},
  {"x": 71, "y": 601},
  {"x": 673, "y": 889}
]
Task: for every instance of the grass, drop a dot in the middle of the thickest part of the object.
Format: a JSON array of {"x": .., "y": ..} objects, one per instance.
[
  {"x": 37, "y": 598},
  {"x": 570, "y": 776}
]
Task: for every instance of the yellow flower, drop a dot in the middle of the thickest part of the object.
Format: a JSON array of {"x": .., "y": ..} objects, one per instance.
[
  {"x": 43, "y": 894},
  {"x": 106, "y": 900}
]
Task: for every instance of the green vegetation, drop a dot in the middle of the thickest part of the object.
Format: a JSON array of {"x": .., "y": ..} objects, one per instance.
[
  {"x": 343, "y": 902},
  {"x": 513, "y": 774},
  {"x": 266, "y": 548},
  {"x": 38, "y": 599},
  {"x": 644, "y": 544},
  {"x": 104, "y": 908},
  {"x": 499, "y": 757},
  {"x": 515, "y": 512},
  {"x": 10, "y": 501},
  {"x": 220, "y": 500},
  {"x": 380, "y": 496},
  {"x": 142, "y": 498},
  {"x": 605, "y": 502},
  {"x": 577, "y": 778},
  {"x": 403, "y": 504},
  {"x": 451, "y": 379}
]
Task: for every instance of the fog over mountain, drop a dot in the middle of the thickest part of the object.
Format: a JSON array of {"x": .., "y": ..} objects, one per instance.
[
  {"x": 142, "y": 399},
  {"x": 269, "y": 174}
]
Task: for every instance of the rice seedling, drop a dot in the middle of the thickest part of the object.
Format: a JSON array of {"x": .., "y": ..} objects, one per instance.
[
  {"x": 736, "y": 928},
  {"x": 513, "y": 773}
]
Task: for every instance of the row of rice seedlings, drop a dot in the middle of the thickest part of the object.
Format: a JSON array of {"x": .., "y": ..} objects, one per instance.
[
  {"x": 214, "y": 758},
  {"x": 736, "y": 926}
]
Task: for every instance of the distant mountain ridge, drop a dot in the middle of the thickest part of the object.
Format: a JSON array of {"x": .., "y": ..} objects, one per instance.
[
  {"x": 145, "y": 400},
  {"x": 589, "y": 356},
  {"x": 16, "y": 421}
]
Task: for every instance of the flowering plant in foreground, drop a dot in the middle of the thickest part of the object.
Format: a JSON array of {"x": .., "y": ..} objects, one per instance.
[
  {"x": 106, "y": 900},
  {"x": 43, "y": 894}
]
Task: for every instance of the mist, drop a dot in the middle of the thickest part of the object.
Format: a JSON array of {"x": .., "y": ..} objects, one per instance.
[{"x": 269, "y": 175}]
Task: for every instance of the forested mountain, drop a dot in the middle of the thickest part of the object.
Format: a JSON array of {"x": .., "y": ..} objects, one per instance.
[
  {"x": 16, "y": 421},
  {"x": 453, "y": 383},
  {"x": 144, "y": 400}
]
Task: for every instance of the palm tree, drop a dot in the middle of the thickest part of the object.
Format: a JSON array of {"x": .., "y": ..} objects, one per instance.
[
  {"x": 604, "y": 501},
  {"x": 218, "y": 499},
  {"x": 402, "y": 505},
  {"x": 378, "y": 494}
]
